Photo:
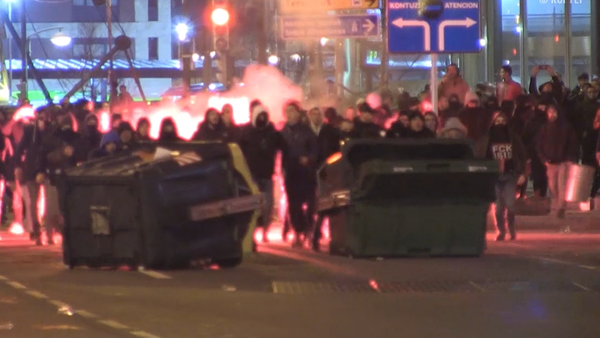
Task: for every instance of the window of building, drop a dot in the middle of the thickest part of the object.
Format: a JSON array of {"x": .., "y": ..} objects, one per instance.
[
  {"x": 152, "y": 48},
  {"x": 152, "y": 10}
]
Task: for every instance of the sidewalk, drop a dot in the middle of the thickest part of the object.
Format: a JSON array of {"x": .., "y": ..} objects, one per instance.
[{"x": 577, "y": 221}]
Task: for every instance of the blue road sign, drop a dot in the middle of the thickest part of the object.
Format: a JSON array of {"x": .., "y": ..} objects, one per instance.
[
  {"x": 330, "y": 26},
  {"x": 455, "y": 31}
]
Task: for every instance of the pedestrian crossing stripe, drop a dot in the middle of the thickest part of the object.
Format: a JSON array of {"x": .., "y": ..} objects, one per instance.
[{"x": 187, "y": 158}]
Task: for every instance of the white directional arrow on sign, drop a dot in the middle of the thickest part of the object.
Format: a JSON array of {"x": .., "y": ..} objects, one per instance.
[
  {"x": 401, "y": 23},
  {"x": 466, "y": 23},
  {"x": 369, "y": 25}
]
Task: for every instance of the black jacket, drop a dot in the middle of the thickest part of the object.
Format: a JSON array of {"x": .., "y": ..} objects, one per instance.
[
  {"x": 260, "y": 147},
  {"x": 518, "y": 151},
  {"x": 300, "y": 141},
  {"x": 28, "y": 154},
  {"x": 557, "y": 143},
  {"x": 328, "y": 142}
]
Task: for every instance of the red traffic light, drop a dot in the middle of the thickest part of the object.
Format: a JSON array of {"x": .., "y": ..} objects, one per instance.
[{"x": 220, "y": 16}]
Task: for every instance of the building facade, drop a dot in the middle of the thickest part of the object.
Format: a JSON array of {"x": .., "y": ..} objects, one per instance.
[{"x": 146, "y": 22}]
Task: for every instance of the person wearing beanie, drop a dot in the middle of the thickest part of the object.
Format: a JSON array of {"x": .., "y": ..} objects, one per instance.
[
  {"x": 504, "y": 146},
  {"x": 260, "y": 144},
  {"x": 454, "y": 129}
]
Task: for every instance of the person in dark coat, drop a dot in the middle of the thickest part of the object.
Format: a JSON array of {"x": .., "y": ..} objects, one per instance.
[
  {"x": 30, "y": 172},
  {"x": 365, "y": 127},
  {"x": 142, "y": 132},
  {"x": 590, "y": 142},
  {"x": 168, "y": 131},
  {"x": 112, "y": 134},
  {"x": 299, "y": 163},
  {"x": 105, "y": 150},
  {"x": 231, "y": 132},
  {"x": 212, "y": 128},
  {"x": 327, "y": 135},
  {"x": 91, "y": 133},
  {"x": 416, "y": 128},
  {"x": 260, "y": 144},
  {"x": 126, "y": 138},
  {"x": 557, "y": 148},
  {"x": 504, "y": 146}
]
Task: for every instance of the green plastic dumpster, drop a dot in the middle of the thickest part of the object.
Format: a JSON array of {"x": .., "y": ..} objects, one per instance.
[{"x": 407, "y": 198}]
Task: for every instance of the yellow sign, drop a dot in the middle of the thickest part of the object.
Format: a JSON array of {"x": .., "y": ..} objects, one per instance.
[{"x": 295, "y": 6}]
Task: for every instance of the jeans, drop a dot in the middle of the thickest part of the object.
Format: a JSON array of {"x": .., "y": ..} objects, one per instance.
[
  {"x": 31, "y": 192},
  {"x": 266, "y": 187},
  {"x": 557, "y": 183},
  {"x": 506, "y": 190}
]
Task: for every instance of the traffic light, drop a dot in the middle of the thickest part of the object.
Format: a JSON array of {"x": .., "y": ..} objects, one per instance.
[{"x": 220, "y": 23}]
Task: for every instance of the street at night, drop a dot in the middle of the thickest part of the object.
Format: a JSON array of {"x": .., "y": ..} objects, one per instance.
[{"x": 546, "y": 284}]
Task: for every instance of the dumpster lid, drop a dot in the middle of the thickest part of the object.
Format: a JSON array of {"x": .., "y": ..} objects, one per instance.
[
  {"x": 360, "y": 151},
  {"x": 130, "y": 162}
]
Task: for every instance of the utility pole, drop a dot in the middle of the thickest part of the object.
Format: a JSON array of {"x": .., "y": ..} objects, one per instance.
[
  {"x": 385, "y": 57},
  {"x": 261, "y": 41},
  {"x": 186, "y": 53},
  {"x": 25, "y": 50},
  {"x": 110, "y": 77}
]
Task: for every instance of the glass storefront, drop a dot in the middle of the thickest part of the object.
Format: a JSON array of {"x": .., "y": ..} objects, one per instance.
[{"x": 520, "y": 33}]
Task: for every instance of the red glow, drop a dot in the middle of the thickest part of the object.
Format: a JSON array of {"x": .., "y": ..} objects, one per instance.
[
  {"x": 16, "y": 229},
  {"x": 24, "y": 113},
  {"x": 220, "y": 16},
  {"x": 240, "y": 106},
  {"x": 514, "y": 51},
  {"x": 373, "y": 284},
  {"x": 334, "y": 158},
  {"x": 41, "y": 202},
  {"x": 556, "y": 38},
  {"x": 104, "y": 121},
  {"x": 427, "y": 106}
]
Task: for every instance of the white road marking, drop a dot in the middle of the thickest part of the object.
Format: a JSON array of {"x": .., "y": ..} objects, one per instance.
[
  {"x": 588, "y": 267},
  {"x": 58, "y": 303},
  {"x": 17, "y": 285},
  {"x": 581, "y": 286},
  {"x": 36, "y": 294},
  {"x": 86, "y": 314},
  {"x": 473, "y": 284},
  {"x": 113, "y": 324},
  {"x": 3, "y": 278},
  {"x": 143, "y": 334},
  {"x": 154, "y": 274}
]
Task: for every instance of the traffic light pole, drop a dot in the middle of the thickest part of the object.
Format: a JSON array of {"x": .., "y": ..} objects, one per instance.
[
  {"x": 24, "y": 51},
  {"x": 186, "y": 53}
]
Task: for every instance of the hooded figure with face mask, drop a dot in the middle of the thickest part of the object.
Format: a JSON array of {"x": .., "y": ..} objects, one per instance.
[
  {"x": 260, "y": 143},
  {"x": 504, "y": 146}
]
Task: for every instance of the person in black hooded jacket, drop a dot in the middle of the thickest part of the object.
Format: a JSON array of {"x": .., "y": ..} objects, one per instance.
[
  {"x": 557, "y": 148},
  {"x": 168, "y": 131},
  {"x": 503, "y": 145},
  {"x": 91, "y": 133},
  {"x": 212, "y": 128},
  {"x": 260, "y": 143},
  {"x": 529, "y": 137}
]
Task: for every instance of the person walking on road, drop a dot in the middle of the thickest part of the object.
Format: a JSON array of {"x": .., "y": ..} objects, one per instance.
[{"x": 503, "y": 145}]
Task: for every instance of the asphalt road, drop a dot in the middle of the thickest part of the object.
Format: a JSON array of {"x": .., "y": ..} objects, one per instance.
[{"x": 543, "y": 285}]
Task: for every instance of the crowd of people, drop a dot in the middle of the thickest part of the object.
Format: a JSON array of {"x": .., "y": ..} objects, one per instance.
[{"x": 534, "y": 137}]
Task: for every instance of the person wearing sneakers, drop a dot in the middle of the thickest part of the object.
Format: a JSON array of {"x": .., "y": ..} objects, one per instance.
[{"x": 506, "y": 147}]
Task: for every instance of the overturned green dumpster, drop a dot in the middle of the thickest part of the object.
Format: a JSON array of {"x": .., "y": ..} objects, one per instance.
[{"x": 407, "y": 198}]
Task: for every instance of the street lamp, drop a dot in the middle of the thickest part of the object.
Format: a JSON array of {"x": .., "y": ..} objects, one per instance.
[
  {"x": 182, "y": 31},
  {"x": 59, "y": 39}
]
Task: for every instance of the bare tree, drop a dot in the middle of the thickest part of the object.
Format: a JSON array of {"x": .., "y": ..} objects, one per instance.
[{"x": 89, "y": 49}]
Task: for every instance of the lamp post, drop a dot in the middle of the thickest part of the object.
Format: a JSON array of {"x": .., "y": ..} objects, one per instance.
[
  {"x": 10, "y": 56},
  {"x": 59, "y": 39}
]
